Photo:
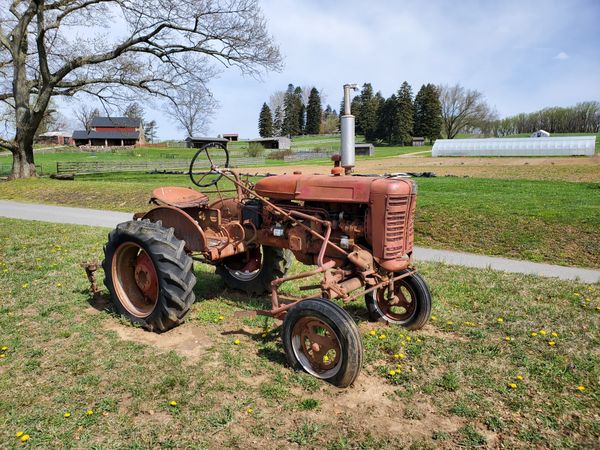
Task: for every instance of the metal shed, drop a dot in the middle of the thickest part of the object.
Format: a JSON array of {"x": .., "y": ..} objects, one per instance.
[
  {"x": 276, "y": 143},
  {"x": 549, "y": 146}
]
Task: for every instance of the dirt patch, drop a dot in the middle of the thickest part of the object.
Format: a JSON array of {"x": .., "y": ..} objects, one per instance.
[{"x": 186, "y": 340}]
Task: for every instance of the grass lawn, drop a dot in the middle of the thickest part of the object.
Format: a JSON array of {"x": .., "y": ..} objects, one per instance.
[
  {"x": 481, "y": 373},
  {"x": 550, "y": 221}
]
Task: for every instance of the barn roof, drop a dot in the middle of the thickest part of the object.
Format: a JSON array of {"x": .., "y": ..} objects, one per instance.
[
  {"x": 83, "y": 134},
  {"x": 119, "y": 122}
]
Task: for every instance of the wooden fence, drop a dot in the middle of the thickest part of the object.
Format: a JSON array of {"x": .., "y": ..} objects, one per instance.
[{"x": 158, "y": 165}]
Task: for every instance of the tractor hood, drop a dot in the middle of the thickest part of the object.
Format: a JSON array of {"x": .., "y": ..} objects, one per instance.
[{"x": 330, "y": 188}]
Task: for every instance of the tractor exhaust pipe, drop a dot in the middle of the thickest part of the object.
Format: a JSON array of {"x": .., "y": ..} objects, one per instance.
[{"x": 347, "y": 131}]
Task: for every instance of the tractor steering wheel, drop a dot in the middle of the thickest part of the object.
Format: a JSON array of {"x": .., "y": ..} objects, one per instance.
[{"x": 209, "y": 157}]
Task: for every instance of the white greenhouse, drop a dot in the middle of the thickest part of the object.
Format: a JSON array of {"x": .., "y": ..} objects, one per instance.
[{"x": 548, "y": 146}]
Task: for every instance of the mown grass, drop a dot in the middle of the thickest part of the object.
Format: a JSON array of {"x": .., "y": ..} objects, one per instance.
[
  {"x": 551, "y": 221},
  {"x": 452, "y": 387}
]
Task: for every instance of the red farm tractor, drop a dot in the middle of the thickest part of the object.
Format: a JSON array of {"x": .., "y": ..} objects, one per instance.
[{"x": 357, "y": 230}]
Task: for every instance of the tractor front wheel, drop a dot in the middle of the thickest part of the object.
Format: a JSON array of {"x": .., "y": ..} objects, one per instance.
[
  {"x": 253, "y": 271},
  {"x": 148, "y": 274},
  {"x": 322, "y": 339},
  {"x": 410, "y": 306}
]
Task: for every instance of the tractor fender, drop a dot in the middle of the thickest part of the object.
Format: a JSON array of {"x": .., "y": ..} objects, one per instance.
[{"x": 186, "y": 228}]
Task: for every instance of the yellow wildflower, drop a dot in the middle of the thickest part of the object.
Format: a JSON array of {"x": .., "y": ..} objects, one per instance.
[
  {"x": 325, "y": 358},
  {"x": 25, "y": 285},
  {"x": 173, "y": 403},
  {"x": 19, "y": 434},
  {"x": 507, "y": 338},
  {"x": 519, "y": 377},
  {"x": 67, "y": 414},
  {"x": 25, "y": 438},
  {"x": 382, "y": 336},
  {"x": 236, "y": 342},
  {"x": 450, "y": 322},
  {"x": 581, "y": 388},
  {"x": 249, "y": 410},
  {"x": 2, "y": 355},
  {"x": 551, "y": 343},
  {"x": 554, "y": 334},
  {"x": 500, "y": 319},
  {"x": 372, "y": 332},
  {"x": 58, "y": 284},
  {"x": 392, "y": 372},
  {"x": 433, "y": 318},
  {"x": 543, "y": 332},
  {"x": 408, "y": 338},
  {"x": 534, "y": 334},
  {"x": 4, "y": 348},
  {"x": 221, "y": 317},
  {"x": 89, "y": 412},
  {"x": 512, "y": 385}
]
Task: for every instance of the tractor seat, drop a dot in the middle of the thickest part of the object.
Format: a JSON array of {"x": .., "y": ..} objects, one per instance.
[{"x": 179, "y": 197}]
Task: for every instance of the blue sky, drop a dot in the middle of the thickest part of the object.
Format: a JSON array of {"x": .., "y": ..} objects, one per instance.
[{"x": 523, "y": 55}]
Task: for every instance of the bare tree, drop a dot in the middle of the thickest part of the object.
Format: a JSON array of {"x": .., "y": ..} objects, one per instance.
[
  {"x": 462, "y": 109},
  {"x": 192, "y": 109},
  {"x": 166, "y": 44},
  {"x": 85, "y": 114}
]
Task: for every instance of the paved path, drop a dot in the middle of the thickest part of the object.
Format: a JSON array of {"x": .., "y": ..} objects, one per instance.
[{"x": 109, "y": 219}]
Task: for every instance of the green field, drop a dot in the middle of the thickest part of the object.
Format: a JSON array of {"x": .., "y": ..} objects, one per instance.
[{"x": 452, "y": 382}]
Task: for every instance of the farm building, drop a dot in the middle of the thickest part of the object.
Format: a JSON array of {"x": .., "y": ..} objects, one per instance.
[
  {"x": 111, "y": 132},
  {"x": 549, "y": 146},
  {"x": 201, "y": 141},
  {"x": 54, "y": 138},
  {"x": 275, "y": 143},
  {"x": 418, "y": 141},
  {"x": 364, "y": 149},
  {"x": 231, "y": 137}
]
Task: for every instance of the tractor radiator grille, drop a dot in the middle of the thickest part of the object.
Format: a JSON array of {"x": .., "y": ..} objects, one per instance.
[{"x": 396, "y": 212}]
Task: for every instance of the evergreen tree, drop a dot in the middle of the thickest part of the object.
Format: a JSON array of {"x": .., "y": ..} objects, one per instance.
[
  {"x": 369, "y": 105},
  {"x": 265, "y": 122},
  {"x": 277, "y": 122},
  {"x": 150, "y": 131},
  {"x": 313, "y": 112},
  {"x": 386, "y": 116},
  {"x": 427, "y": 113},
  {"x": 300, "y": 109},
  {"x": 403, "y": 120},
  {"x": 292, "y": 111}
]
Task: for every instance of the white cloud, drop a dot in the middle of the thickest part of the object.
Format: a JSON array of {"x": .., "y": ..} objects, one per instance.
[{"x": 562, "y": 55}]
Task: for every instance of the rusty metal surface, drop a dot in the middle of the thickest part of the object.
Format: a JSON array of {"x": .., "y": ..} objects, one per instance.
[
  {"x": 186, "y": 228},
  {"x": 179, "y": 197}
]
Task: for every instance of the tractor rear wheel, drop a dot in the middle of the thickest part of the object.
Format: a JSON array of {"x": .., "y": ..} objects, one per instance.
[
  {"x": 322, "y": 339},
  {"x": 252, "y": 272},
  {"x": 148, "y": 274},
  {"x": 412, "y": 307}
]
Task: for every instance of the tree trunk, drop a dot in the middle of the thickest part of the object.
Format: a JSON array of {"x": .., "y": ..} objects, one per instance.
[{"x": 23, "y": 166}]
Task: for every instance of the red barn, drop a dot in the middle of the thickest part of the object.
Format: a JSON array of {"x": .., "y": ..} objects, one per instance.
[{"x": 111, "y": 132}]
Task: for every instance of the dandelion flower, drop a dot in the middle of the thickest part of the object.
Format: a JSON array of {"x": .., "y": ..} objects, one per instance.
[
  {"x": 581, "y": 388},
  {"x": 543, "y": 332},
  {"x": 19, "y": 434},
  {"x": 67, "y": 414},
  {"x": 221, "y": 317},
  {"x": 2, "y": 355},
  {"x": 551, "y": 343},
  {"x": 392, "y": 372},
  {"x": 325, "y": 358},
  {"x": 512, "y": 385},
  {"x": 554, "y": 334},
  {"x": 25, "y": 285},
  {"x": 264, "y": 335},
  {"x": 58, "y": 284},
  {"x": 500, "y": 320},
  {"x": 419, "y": 340},
  {"x": 534, "y": 334},
  {"x": 236, "y": 342},
  {"x": 401, "y": 355},
  {"x": 507, "y": 338},
  {"x": 5, "y": 270},
  {"x": 396, "y": 356},
  {"x": 173, "y": 403},
  {"x": 382, "y": 336},
  {"x": 408, "y": 338},
  {"x": 89, "y": 412},
  {"x": 249, "y": 410},
  {"x": 4, "y": 348},
  {"x": 519, "y": 377},
  {"x": 433, "y": 318},
  {"x": 25, "y": 438},
  {"x": 372, "y": 333},
  {"x": 450, "y": 322}
]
